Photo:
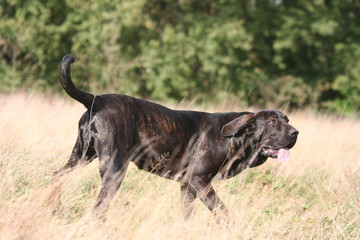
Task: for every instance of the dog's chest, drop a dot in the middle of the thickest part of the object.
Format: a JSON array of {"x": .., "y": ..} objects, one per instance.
[
  {"x": 158, "y": 162},
  {"x": 162, "y": 164}
]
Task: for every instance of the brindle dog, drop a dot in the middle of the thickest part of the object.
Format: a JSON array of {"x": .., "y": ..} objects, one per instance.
[{"x": 189, "y": 147}]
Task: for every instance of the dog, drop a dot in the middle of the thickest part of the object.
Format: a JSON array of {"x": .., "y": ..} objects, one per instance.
[{"x": 189, "y": 147}]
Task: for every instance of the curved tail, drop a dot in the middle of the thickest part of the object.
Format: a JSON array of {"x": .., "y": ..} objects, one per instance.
[{"x": 65, "y": 77}]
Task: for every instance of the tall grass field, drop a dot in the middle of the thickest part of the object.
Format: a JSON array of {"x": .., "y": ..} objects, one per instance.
[{"x": 316, "y": 195}]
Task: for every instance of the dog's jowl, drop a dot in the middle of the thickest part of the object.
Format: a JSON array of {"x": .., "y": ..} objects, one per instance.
[{"x": 189, "y": 147}]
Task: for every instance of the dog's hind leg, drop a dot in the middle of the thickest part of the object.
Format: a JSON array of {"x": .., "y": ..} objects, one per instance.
[
  {"x": 112, "y": 172},
  {"x": 82, "y": 153}
]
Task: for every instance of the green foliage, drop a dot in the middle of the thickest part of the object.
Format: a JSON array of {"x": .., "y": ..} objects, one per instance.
[{"x": 285, "y": 53}]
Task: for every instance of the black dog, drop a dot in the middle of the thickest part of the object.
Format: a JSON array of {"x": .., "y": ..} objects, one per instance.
[{"x": 186, "y": 146}]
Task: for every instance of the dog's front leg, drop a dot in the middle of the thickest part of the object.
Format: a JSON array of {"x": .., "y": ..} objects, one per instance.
[
  {"x": 208, "y": 196},
  {"x": 188, "y": 196}
]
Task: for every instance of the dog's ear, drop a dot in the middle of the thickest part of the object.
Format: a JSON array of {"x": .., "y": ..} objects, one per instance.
[{"x": 238, "y": 124}]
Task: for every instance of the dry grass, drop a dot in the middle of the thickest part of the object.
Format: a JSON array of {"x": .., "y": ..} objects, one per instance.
[{"x": 314, "y": 196}]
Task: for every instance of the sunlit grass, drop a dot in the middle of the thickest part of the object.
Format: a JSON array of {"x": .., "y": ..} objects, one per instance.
[{"x": 314, "y": 196}]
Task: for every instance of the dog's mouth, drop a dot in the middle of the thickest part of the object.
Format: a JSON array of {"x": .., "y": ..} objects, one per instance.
[{"x": 282, "y": 154}]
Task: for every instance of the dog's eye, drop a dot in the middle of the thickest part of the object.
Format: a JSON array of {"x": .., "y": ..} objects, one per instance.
[{"x": 273, "y": 121}]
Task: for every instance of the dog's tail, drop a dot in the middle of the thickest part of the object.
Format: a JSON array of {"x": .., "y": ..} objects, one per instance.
[{"x": 65, "y": 77}]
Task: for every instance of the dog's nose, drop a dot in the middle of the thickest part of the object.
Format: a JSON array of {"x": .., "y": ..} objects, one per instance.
[{"x": 293, "y": 132}]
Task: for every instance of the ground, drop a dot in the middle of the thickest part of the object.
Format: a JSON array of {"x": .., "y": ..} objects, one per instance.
[{"x": 313, "y": 196}]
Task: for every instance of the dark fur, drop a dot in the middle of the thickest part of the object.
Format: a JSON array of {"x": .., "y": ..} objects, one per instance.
[{"x": 186, "y": 146}]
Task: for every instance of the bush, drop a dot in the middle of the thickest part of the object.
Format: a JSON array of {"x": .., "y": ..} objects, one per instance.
[{"x": 286, "y": 53}]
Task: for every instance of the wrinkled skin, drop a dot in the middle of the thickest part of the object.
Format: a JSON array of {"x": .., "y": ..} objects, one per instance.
[{"x": 189, "y": 147}]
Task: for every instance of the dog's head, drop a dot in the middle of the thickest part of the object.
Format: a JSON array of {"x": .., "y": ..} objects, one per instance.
[{"x": 269, "y": 128}]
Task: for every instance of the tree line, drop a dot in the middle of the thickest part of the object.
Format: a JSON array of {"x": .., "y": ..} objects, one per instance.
[{"x": 284, "y": 53}]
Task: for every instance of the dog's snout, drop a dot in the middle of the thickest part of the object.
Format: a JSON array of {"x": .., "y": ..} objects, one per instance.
[{"x": 293, "y": 132}]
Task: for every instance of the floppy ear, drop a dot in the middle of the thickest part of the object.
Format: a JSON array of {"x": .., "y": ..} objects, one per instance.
[{"x": 236, "y": 125}]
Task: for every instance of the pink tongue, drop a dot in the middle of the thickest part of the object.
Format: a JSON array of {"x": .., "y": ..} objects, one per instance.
[{"x": 283, "y": 155}]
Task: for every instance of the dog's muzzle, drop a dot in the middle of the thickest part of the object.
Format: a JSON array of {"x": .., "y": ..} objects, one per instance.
[{"x": 282, "y": 153}]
